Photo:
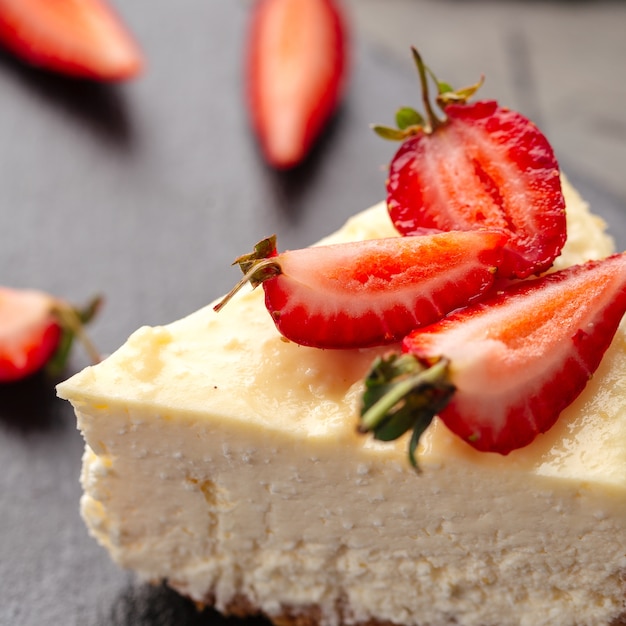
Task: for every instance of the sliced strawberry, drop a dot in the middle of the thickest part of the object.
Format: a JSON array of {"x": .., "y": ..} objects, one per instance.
[
  {"x": 504, "y": 368},
  {"x": 36, "y": 330},
  {"x": 82, "y": 38},
  {"x": 482, "y": 166},
  {"x": 296, "y": 66},
  {"x": 372, "y": 292}
]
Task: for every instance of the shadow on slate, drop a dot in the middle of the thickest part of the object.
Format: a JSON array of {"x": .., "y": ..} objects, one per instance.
[
  {"x": 31, "y": 405},
  {"x": 99, "y": 106},
  {"x": 290, "y": 185},
  {"x": 147, "y": 605}
]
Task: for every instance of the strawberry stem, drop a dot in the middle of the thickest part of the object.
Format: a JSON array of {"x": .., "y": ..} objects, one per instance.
[
  {"x": 72, "y": 322},
  {"x": 257, "y": 266},
  {"x": 267, "y": 268},
  {"x": 434, "y": 121},
  {"x": 402, "y": 394},
  {"x": 71, "y": 319},
  {"x": 409, "y": 122}
]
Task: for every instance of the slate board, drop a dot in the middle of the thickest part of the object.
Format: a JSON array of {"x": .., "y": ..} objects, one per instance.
[{"x": 145, "y": 192}]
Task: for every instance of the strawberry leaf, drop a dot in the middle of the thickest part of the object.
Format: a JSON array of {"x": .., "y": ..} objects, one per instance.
[
  {"x": 410, "y": 121},
  {"x": 407, "y": 117},
  {"x": 391, "y": 134},
  {"x": 263, "y": 250},
  {"x": 395, "y": 424},
  {"x": 448, "y": 95},
  {"x": 57, "y": 363},
  {"x": 257, "y": 266},
  {"x": 443, "y": 87},
  {"x": 90, "y": 310},
  {"x": 401, "y": 394}
]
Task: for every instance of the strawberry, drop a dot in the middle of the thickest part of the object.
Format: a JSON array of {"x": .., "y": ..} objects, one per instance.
[
  {"x": 295, "y": 70},
  {"x": 367, "y": 293},
  {"x": 500, "y": 371},
  {"x": 81, "y": 38},
  {"x": 37, "y": 330},
  {"x": 480, "y": 166}
]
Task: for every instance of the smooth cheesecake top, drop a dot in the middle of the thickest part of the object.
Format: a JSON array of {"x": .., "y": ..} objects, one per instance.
[{"x": 235, "y": 367}]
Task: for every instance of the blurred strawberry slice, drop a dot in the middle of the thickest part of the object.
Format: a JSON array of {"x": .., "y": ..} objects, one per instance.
[
  {"x": 296, "y": 68},
  {"x": 81, "y": 38}
]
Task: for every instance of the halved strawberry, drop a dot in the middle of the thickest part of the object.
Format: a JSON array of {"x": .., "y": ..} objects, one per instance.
[
  {"x": 367, "y": 293},
  {"x": 500, "y": 371},
  {"x": 37, "y": 330},
  {"x": 82, "y": 38},
  {"x": 480, "y": 166},
  {"x": 295, "y": 71}
]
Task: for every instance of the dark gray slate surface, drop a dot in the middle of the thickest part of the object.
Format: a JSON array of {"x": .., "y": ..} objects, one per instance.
[{"x": 145, "y": 192}]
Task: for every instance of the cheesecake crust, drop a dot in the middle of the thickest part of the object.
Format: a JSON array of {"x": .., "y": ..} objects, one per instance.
[{"x": 241, "y": 607}]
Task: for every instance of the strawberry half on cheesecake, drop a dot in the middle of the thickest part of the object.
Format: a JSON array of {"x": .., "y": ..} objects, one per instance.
[{"x": 227, "y": 461}]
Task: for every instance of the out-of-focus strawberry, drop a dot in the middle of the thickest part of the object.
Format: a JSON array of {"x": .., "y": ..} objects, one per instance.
[
  {"x": 81, "y": 38},
  {"x": 295, "y": 72},
  {"x": 37, "y": 330}
]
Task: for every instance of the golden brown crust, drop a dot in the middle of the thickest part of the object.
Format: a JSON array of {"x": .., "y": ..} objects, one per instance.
[{"x": 240, "y": 606}]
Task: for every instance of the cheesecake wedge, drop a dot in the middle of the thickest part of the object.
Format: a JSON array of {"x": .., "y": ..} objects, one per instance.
[{"x": 226, "y": 462}]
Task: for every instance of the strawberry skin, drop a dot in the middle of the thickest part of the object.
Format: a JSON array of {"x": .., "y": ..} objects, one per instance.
[
  {"x": 519, "y": 358},
  {"x": 367, "y": 293},
  {"x": 29, "y": 332},
  {"x": 37, "y": 330},
  {"x": 484, "y": 167},
  {"x": 295, "y": 71},
  {"x": 80, "y": 38}
]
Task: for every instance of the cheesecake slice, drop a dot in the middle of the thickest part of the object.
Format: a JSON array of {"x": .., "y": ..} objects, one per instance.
[{"x": 226, "y": 461}]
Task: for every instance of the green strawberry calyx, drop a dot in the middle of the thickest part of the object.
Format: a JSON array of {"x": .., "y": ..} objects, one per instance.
[
  {"x": 72, "y": 321},
  {"x": 257, "y": 266},
  {"x": 411, "y": 122},
  {"x": 402, "y": 394}
]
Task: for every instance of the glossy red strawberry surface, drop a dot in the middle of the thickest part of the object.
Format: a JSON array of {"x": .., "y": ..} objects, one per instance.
[
  {"x": 295, "y": 73},
  {"x": 29, "y": 332},
  {"x": 518, "y": 358},
  {"x": 476, "y": 165},
  {"x": 372, "y": 292},
  {"x": 81, "y": 38},
  {"x": 484, "y": 167},
  {"x": 37, "y": 330}
]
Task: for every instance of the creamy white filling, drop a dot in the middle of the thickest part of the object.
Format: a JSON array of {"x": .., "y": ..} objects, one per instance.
[{"x": 226, "y": 460}]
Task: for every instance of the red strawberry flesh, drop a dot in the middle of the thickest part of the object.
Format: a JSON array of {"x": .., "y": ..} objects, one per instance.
[
  {"x": 295, "y": 74},
  {"x": 367, "y": 293},
  {"x": 517, "y": 359},
  {"x": 485, "y": 167},
  {"x": 81, "y": 38},
  {"x": 29, "y": 333}
]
